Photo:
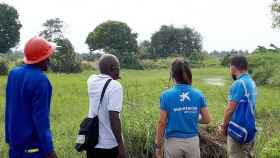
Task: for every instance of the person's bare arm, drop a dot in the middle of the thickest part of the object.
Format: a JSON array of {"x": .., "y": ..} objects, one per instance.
[
  {"x": 117, "y": 130},
  {"x": 228, "y": 112},
  {"x": 205, "y": 116},
  {"x": 161, "y": 127},
  {"x": 227, "y": 115}
]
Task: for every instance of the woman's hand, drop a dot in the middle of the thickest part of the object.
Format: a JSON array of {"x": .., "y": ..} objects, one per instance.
[{"x": 158, "y": 153}]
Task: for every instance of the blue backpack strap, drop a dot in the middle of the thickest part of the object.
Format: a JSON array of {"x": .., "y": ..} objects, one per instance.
[{"x": 247, "y": 95}]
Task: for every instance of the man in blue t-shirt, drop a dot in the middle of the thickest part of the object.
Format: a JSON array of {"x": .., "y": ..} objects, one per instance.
[
  {"x": 239, "y": 72},
  {"x": 28, "y": 99}
]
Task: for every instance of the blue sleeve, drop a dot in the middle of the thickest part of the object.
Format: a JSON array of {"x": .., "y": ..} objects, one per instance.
[
  {"x": 40, "y": 114},
  {"x": 236, "y": 92},
  {"x": 7, "y": 115},
  {"x": 163, "y": 105},
  {"x": 203, "y": 102}
]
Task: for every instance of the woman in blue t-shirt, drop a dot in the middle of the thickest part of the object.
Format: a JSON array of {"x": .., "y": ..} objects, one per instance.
[{"x": 182, "y": 107}]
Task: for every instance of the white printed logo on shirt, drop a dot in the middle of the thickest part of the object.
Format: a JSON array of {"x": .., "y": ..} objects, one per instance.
[{"x": 184, "y": 96}]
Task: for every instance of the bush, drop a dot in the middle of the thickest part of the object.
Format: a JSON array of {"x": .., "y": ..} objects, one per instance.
[
  {"x": 156, "y": 64},
  {"x": 264, "y": 68},
  {"x": 225, "y": 60},
  {"x": 86, "y": 65},
  {"x": 263, "y": 74},
  {"x": 196, "y": 59},
  {"x": 3, "y": 67},
  {"x": 131, "y": 62},
  {"x": 19, "y": 63}
]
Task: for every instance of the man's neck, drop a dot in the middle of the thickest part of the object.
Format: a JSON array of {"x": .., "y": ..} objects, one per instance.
[{"x": 241, "y": 73}]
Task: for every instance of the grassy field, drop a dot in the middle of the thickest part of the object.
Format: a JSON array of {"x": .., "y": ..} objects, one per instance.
[{"x": 142, "y": 90}]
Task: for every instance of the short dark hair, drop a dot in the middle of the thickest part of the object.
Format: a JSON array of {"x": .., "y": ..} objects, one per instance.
[
  {"x": 239, "y": 61},
  {"x": 107, "y": 62},
  {"x": 181, "y": 71}
]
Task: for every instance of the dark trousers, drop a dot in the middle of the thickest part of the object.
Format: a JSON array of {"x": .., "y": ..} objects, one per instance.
[
  {"x": 103, "y": 153},
  {"x": 23, "y": 154}
]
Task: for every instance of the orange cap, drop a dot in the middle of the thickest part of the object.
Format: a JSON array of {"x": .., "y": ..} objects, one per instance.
[{"x": 37, "y": 49}]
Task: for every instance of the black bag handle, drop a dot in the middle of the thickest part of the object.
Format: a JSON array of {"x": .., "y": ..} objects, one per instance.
[{"x": 103, "y": 93}]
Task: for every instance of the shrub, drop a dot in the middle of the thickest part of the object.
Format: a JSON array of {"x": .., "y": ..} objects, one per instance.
[
  {"x": 3, "y": 67},
  {"x": 225, "y": 60},
  {"x": 19, "y": 63},
  {"x": 65, "y": 59},
  {"x": 131, "y": 62},
  {"x": 86, "y": 65},
  {"x": 264, "y": 68},
  {"x": 157, "y": 63},
  {"x": 196, "y": 59}
]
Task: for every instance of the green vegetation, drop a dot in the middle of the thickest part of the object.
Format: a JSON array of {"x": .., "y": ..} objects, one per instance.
[
  {"x": 65, "y": 59},
  {"x": 140, "y": 113},
  {"x": 265, "y": 68},
  {"x": 116, "y": 37},
  {"x": 3, "y": 67},
  {"x": 172, "y": 41},
  {"x": 9, "y": 27},
  {"x": 52, "y": 29},
  {"x": 272, "y": 148}
]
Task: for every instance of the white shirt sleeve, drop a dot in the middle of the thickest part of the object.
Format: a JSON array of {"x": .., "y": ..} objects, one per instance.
[
  {"x": 116, "y": 98},
  {"x": 92, "y": 100}
]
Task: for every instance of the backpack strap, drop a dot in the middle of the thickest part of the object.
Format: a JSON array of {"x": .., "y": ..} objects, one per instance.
[
  {"x": 247, "y": 95},
  {"x": 103, "y": 93},
  {"x": 245, "y": 89}
]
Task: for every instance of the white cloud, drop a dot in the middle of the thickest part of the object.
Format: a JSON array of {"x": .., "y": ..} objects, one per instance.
[{"x": 224, "y": 24}]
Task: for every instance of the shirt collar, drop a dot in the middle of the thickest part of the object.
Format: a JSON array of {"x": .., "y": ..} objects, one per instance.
[
  {"x": 32, "y": 66},
  {"x": 104, "y": 76},
  {"x": 242, "y": 75},
  {"x": 182, "y": 86}
]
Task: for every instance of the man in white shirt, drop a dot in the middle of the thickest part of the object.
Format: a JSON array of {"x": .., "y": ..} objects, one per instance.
[{"x": 110, "y": 144}]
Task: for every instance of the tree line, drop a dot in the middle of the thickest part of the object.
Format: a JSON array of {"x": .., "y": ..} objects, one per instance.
[{"x": 115, "y": 37}]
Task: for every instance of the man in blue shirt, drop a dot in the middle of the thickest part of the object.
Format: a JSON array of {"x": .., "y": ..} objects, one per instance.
[
  {"x": 28, "y": 99},
  {"x": 239, "y": 72}
]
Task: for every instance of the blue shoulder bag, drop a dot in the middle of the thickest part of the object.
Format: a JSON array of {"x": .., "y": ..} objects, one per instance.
[{"x": 242, "y": 126}]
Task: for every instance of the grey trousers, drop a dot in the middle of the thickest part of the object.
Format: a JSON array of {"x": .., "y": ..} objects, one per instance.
[
  {"x": 236, "y": 150},
  {"x": 182, "y": 148}
]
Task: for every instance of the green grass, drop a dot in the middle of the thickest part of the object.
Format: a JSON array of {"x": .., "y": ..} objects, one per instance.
[{"x": 140, "y": 113}]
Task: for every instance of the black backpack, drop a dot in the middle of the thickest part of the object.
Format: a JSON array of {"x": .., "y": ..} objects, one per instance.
[{"x": 89, "y": 128}]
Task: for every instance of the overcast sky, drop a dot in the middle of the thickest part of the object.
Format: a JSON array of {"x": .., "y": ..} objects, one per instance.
[{"x": 224, "y": 24}]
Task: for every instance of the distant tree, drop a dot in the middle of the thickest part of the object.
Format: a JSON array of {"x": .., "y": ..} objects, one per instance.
[
  {"x": 171, "y": 41},
  {"x": 196, "y": 59},
  {"x": 145, "y": 50},
  {"x": 264, "y": 50},
  {"x": 112, "y": 35},
  {"x": 9, "y": 27},
  {"x": 53, "y": 29},
  {"x": 117, "y": 38},
  {"x": 89, "y": 56},
  {"x": 226, "y": 55},
  {"x": 275, "y": 11},
  {"x": 65, "y": 59}
]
